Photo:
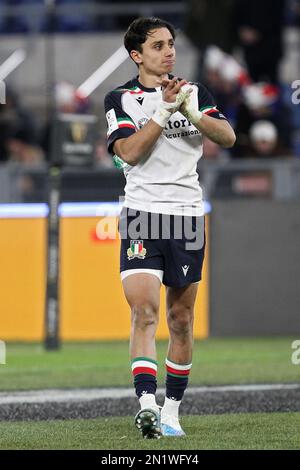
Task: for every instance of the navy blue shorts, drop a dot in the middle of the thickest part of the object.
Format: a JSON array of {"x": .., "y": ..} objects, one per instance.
[{"x": 168, "y": 246}]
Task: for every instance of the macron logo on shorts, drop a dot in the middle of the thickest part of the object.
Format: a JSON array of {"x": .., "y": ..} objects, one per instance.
[{"x": 185, "y": 269}]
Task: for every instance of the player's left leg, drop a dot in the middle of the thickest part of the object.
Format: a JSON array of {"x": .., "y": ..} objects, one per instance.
[{"x": 180, "y": 317}]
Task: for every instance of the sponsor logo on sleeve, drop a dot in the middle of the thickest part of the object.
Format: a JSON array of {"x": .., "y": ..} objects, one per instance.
[{"x": 111, "y": 121}]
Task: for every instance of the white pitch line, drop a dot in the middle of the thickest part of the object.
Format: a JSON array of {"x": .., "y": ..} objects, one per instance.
[{"x": 77, "y": 395}]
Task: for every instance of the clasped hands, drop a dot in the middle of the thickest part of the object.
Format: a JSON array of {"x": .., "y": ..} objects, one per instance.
[{"x": 176, "y": 97}]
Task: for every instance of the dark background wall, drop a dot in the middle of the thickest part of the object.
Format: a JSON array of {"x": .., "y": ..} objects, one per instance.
[{"x": 255, "y": 268}]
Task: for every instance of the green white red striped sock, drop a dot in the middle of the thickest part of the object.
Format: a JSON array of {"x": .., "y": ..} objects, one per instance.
[
  {"x": 178, "y": 370},
  {"x": 177, "y": 379},
  {"x": 144, "y": 370}
]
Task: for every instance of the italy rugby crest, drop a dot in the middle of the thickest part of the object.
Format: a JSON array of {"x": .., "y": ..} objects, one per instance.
[{"x": 136, "y": 249}]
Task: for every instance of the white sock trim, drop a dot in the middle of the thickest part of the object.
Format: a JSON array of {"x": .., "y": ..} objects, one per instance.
[
  {"x": 144, "y": 363},
  {"x": 178, "y": 366}
]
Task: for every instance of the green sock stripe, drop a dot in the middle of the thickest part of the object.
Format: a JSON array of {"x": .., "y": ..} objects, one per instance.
[
  {"x": 143, "y": 359},
  {"x": 178, "y": 376}
]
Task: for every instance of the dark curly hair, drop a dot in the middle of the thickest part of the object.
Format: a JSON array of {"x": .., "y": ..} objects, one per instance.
[{"x": 138, "y": 31}]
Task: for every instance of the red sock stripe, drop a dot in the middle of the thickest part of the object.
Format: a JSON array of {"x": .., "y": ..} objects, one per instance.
[
  {"x": 144, "y": 370},
  {"x": 177, "y": 372}
]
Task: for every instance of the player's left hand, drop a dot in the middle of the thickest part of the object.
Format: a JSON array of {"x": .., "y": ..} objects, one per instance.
[
  {"x": 189, "y": 110},
  {"x": 171, "y": 88},
  {"x": 172, "y": 98},
  {"x": 173, "y": 93}
]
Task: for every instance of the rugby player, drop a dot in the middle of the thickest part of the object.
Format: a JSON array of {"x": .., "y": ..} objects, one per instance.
[{"x": 156, "y": 123}]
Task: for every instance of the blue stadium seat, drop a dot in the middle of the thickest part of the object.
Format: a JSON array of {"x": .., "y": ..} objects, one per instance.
[
  {"x": 73, "y": 22},
  {"x": 69, "y": 22},
  {"x": 17, "y": 24}
]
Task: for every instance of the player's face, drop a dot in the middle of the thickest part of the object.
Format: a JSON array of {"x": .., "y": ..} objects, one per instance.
[{"x": 158, "y": 52}]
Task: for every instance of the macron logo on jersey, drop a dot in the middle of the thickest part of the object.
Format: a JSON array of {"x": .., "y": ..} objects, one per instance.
[{"x": 140, "y": 100}]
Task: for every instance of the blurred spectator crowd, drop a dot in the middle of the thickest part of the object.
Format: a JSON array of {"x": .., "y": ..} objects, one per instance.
[
  {"x": 25, "y": 16},
  {"x": 240, "y": 47},
  {"x": 239, "y": 44},
  {"x": 26, "y": 143}
]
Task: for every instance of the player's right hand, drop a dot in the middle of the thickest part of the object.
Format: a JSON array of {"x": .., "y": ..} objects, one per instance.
[
  {"x": 171, "y": 89},
  {"x": 173, "y": 95}
]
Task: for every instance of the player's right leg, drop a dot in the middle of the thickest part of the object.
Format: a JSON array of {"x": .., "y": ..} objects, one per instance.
[{"x": 142, "y": 292}]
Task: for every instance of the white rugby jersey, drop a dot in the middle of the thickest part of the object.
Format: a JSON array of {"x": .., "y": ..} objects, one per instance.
[{"x": 164, "y": 181}]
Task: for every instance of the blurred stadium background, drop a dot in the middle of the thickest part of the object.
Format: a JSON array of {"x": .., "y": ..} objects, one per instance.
[{"x": 53, "y": 160}]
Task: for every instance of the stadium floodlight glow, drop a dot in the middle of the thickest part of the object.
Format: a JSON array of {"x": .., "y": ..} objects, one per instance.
[
  {"x": 68, "y": 209},
  {"x": 13, "y": 61},
  {"x": 106, "y": 69},
  {"x": 90, "y": 209},
  {"x": 23, "y": 211}
]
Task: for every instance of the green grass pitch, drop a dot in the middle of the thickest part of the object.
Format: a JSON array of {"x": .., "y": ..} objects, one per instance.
[
  {"x": 106, "y": 364},
  {"x": 240, "y": 431}
]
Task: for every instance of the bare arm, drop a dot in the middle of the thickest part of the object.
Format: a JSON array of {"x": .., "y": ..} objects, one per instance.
[
  {"x": 131, "y": 149},
  {"x": 217, "y": 130},
  {"x": 139, "y": 144}
]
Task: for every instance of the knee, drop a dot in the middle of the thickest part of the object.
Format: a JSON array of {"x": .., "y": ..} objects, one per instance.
[
  {"x": 180, "y": 319},
  {"x": 144, "y": 316}
]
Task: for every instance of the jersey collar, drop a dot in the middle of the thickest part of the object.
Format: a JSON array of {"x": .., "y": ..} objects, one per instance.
[{"x": 142, "y": 87}]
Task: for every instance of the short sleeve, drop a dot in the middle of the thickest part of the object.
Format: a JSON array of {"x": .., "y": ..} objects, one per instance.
[
  {"x": 207, "y": 104},
  {"x": 119, "y": 124}
]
